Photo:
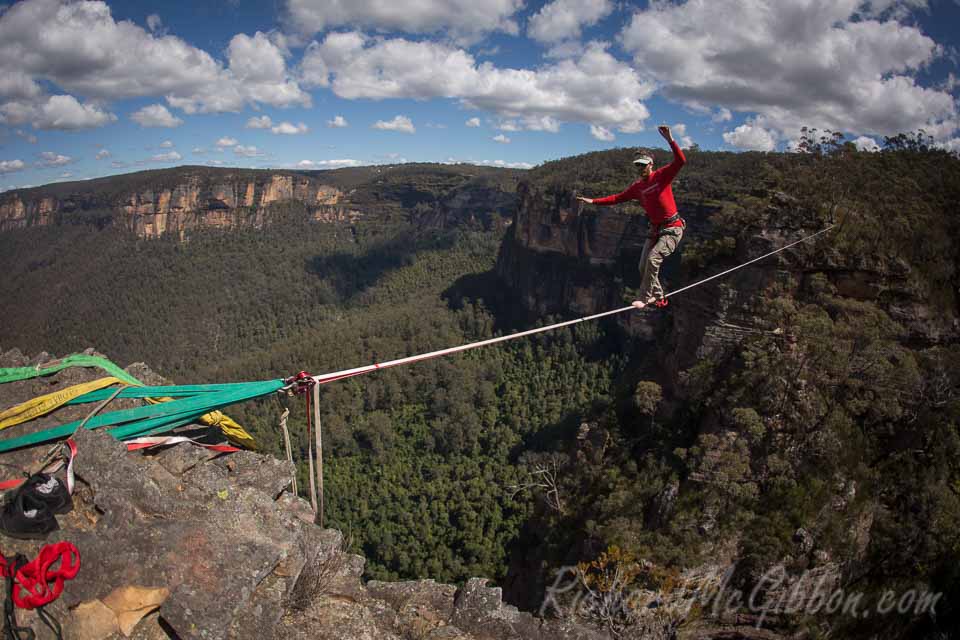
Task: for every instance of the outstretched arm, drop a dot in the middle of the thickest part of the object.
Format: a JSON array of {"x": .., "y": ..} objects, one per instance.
[
  {"x": 623, "y": 196},
  {"x": 670, "y": 171}
]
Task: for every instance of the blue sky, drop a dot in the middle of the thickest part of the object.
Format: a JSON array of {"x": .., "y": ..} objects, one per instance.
[{"x": 89, "y": 89}]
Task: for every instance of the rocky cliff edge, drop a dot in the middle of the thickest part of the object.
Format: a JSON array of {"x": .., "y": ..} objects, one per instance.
[{"x": 187, "y": 543}]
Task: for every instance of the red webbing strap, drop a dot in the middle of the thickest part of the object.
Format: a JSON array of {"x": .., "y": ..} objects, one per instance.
[
  {"x": 11, "y": 484},
  {"x": 31, "y": 588},
  {"x": 159, "y": 441}
]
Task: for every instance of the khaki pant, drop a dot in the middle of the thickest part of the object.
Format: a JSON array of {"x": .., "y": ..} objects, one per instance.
[{"x": 655, "y": 251}]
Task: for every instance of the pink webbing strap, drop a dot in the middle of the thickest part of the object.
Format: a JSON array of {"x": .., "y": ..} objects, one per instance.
[{"x": 161, "y": 441}]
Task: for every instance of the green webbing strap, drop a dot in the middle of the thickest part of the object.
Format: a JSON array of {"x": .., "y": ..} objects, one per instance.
[
  {"x": 191, "y": 408},
  {"x": 153, "y": 430},
  {"x": 77, "y": 360},
  {"x": 155, "y": 418},
  {"x": 173, "y": 391}
]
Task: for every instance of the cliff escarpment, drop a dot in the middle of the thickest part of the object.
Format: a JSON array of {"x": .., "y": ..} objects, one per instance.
[
  {"x": 561, "y": 255},
  {"x": 172, "y": 203},
  {"x": 177, "y": 201}
]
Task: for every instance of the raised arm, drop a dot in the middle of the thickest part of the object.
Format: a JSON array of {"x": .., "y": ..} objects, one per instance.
[{"x": 670, "y": 171}]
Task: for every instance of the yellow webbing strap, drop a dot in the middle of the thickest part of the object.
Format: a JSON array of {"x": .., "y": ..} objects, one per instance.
[
  {"x": 42, "y": 405},
  {"x": 234, "y": 432}
]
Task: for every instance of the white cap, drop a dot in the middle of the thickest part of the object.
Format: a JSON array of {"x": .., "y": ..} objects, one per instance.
[{"x": 643, "y": 160}]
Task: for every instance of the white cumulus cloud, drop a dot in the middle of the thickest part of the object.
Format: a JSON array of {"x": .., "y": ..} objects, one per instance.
[
  {"x": 505, "y": 164},
  {"x": 155, "y": 115},
  {"x": 10, "y": 166},
  {"x": 399, "y": 123},
  {"x": 602, "y": 133},
  {"x": 79, "y": 47},
  {"x": 290, "y": 129},
  {"x": 679, "y": 131},
  {"x": 170, "y": 156},
  {"x": 328, "y": 164},
  {"x": 258, "y": 66},
  {"x": 722, "y": 114},
  {"x": 844, "y": 65},
  {"x": 247, "y": 151},
  {"x": 751, "y": 137},
  {"x": 502, "y": 139},
  {"x": 18, "y": 85},
  {"x": 338, "y": 122},
  {"x": 542, "y": 123},
  {"x": 594, "y": 87},
  {"x": 866, "y": 143},
  {"x": 62, "y": 112},
  {"x": 103, "y": 153},
  {"x": 473, "y": 122},
  {"x": 51, "y": 159},
  {"x": 466, "y": 20},
  {"x": 227, "y": 141},
  {"x": 166, "y": 144},
  {"x": 263, "y": 122},
  {"x": 564, "y": 19}
]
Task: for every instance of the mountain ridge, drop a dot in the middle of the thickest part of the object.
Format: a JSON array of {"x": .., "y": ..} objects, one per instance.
[{"x": 179, "y": 200}]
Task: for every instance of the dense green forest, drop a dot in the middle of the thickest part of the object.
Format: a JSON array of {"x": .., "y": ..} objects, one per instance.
[{"x": 841, "y": 419}]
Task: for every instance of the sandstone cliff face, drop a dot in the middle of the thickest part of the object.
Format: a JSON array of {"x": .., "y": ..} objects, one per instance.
[
  {"x": 565, "y": 257},
  {"x": 195, "y": 201},
  {"x": 177, "y": 201},
  {"x": 475, "y": 205}
]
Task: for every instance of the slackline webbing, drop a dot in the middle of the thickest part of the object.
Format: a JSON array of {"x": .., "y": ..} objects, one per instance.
[
  {"x": 78, "y": 360},
  {"x": 96, "y": 391},
  {"x": 169, "y": 391},
  {"x": 347, "y": 373},
  {"x": 153, "y": 419}
]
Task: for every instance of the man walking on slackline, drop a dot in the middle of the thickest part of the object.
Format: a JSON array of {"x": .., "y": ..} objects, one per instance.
[{"x": 653, "y": 191}]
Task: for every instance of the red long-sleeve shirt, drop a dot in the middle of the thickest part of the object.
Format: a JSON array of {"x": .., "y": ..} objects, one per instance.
[{"x": 654, "y": 192}]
